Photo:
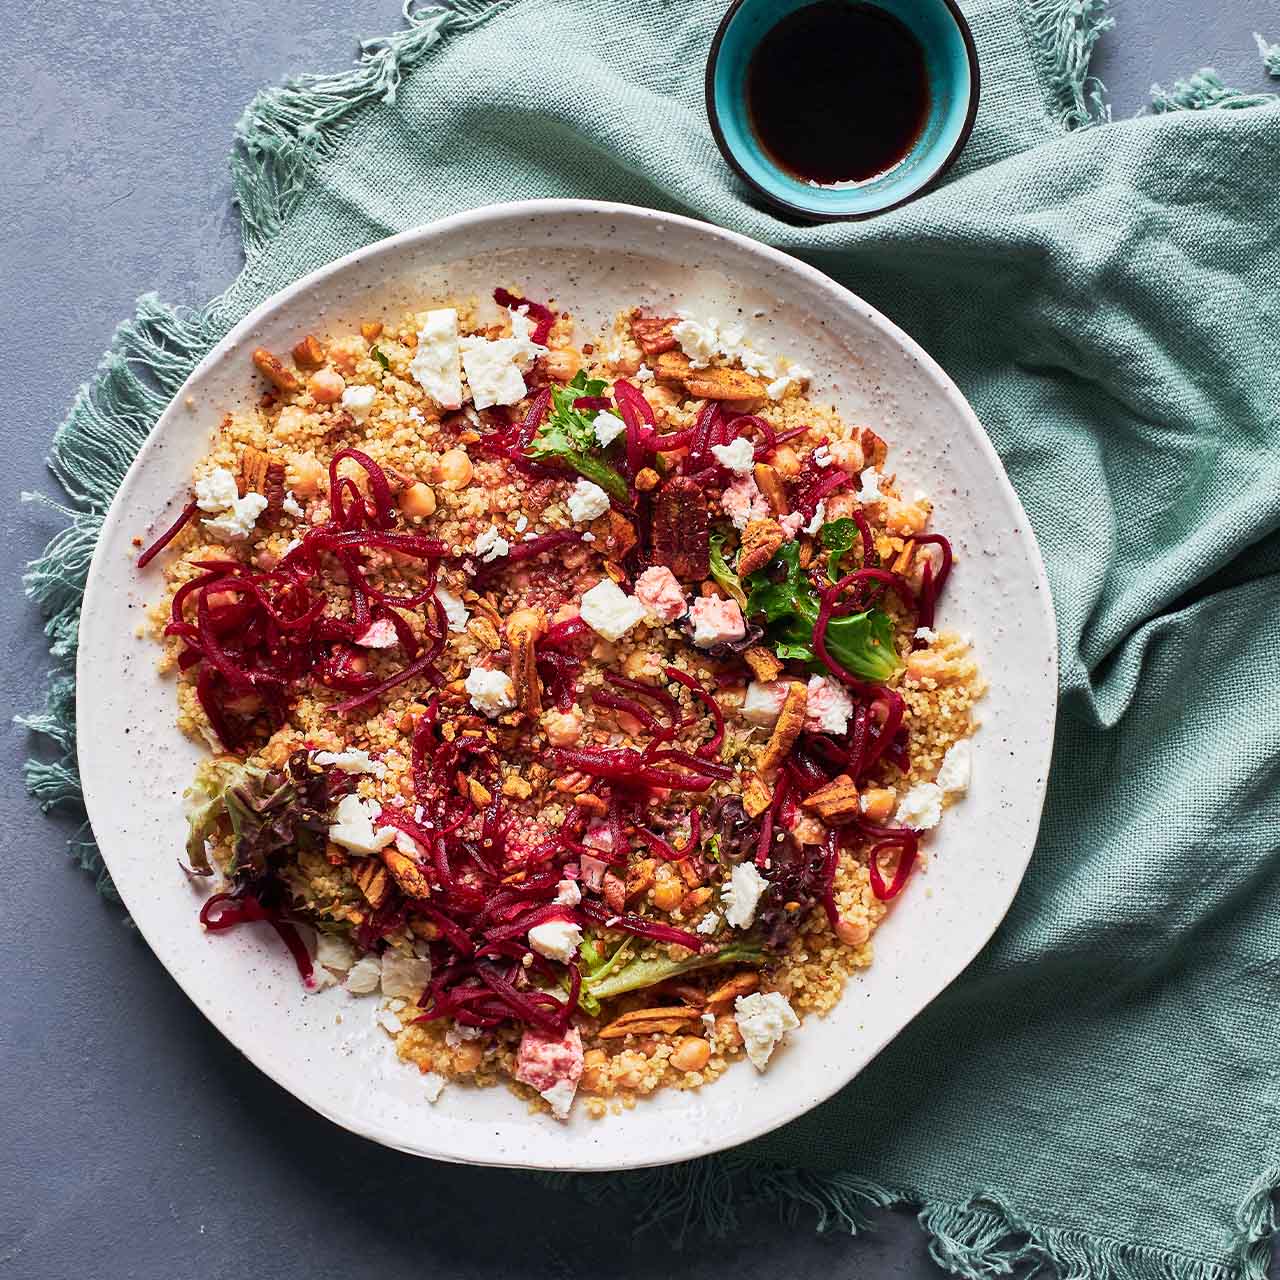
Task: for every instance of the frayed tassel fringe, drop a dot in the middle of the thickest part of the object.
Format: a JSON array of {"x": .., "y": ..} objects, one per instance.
[{"x": 1065, "y": 32}]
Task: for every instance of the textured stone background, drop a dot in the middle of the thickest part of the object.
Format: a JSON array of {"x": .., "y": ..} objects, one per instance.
[{"x": 134, "y": 1140}]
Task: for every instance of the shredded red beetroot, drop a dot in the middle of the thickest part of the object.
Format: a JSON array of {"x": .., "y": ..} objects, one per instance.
[
  {"x": 540, "y": 546},
  {"x": 640, "y": 927},
  {"x": 816, "y": 485},
  {"x": 642, "y": 431},
  {"x": 599, "y": 404},
  {"x": 903, "y": 839},
  {"x": 226, "y": 910},
  {"x": 931, "y": 585},
  {"x": 168, "y": 535},
  {"x": 542, "y": 315},
  {"x": 622, "y": 764}
]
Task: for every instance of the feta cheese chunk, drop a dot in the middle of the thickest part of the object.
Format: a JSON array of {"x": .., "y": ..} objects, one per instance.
[
  {"x": 236, "y": 523},
  {"x": 568, "y": 893},
  {"x": 216, "y": 491},
  {"x": 659, "y": 590},
  {"x": 738, "y": 455},
  {"x": 436, "y": 365},
  {"x": 494, "y": 367},
  {"x": 560, "y": 1098},
  {"x": 378, "y": 635},
  {"x": 357, "y": 401},
  {"x": 819, "y": 517},
  {"x": 869, "y": 486},
  {"x": 455, "y": 611},
  {"x": 608, "y": 427},
  {"x": 433, "y": 1084},
  {"x": 763, "y": 702},
  {"x": 828, "y": 708},
  {"x": 609, "y": 611},
  {"x": 404, "y": 976},
  {"x": 715, "y": 621},
  {"x": 290, "y": 505},
  {"x": 796, "y": 375},
  {"x": 556, "y": 939},
  {"x": 927, "y": 634},
  {"x": 490, "y": 545},
  {"x": 364, "y": 977},
  {"x": 643, "y": 374},
  {"x": 543, "y": 1062},
  {"x": 353, "y": 827},
  {"x": 351, "y": 760},
  {"x": 743, "y": 502},
  {"x": 698, "y": 339},
  {"x": 587, "y": 502},
  {"x": 741, "y": 895},
  {"x": 491, "y": 691},
  {"x": 333, "y": 952},
  {"x": 389, "y": 1022},
  {"x": 763, "y": 1018},
  {"x": 921, "y": 807},
  {"x": 957, "y": 767}
]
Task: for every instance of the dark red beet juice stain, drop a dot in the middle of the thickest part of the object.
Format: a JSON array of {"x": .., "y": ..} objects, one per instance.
[{"x": 838, "y": 92}]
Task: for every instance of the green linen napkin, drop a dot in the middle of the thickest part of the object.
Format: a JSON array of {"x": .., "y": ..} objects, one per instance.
[{"x": 1098, "y": 1093}]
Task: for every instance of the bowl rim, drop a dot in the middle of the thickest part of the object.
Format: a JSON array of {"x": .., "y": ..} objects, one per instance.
[
  {"x": 584, "y": 1157},
  {"x": 806, "y": 212}
]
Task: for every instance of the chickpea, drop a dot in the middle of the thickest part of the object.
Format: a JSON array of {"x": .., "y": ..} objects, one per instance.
[
  {"x": 562, "y": 364},
  {"x": 326, "y": 386},
  {"x": 307, "y": 475},
  {"x": 417, "y": 501},
  {"x": 877, "y": 803},
  {"x": 641, "y": 664},
  {"x": 907, "y": 517},
  {"x": 847, "y": 455},
  {"x": 668, "y": 891},
  {"x": 467, "y": 1057},
  {"x": 785, "y": 461},
  {"x": 454, "y": 469},
  {"x": 852, "y": 935},
  {"x": 563, "y": 728},
  {"x": 809, "y": 830},
  {"x": 595, "y": 1071},
  {"x": 690, "y": 1054},
  {"x": 660, "y": 398}
]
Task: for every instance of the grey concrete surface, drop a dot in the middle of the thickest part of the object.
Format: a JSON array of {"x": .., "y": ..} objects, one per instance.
[{"x": 134, "y": 1141}]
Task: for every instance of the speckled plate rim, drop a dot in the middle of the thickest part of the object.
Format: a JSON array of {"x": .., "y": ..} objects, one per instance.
[{"x": 646, "y": 1135}]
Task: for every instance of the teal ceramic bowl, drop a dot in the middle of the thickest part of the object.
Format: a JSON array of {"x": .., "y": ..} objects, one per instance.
[{"x": 951, "y": 63}]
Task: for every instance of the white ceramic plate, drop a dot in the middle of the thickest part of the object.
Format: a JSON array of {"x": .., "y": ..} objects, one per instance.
[{"x": 594, "y": 259}]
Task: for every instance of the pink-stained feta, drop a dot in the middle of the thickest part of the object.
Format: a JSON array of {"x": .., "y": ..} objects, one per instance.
[
  {"x": 743, "y": 502},
  {"x": 568, "y": 894},
  {"x": 791, "y": 525},
  {"x": 598, "y": 836},
  {"x": 592, "y": 870},
  {"x": 378, "y": 635},
  {"x": 563, "y": 728},
  {"x": 763, "y": 702},
  {"x": 828, "y": 708},
  {"x": 544, "y": 1061},
  {"x": 715, "y": 621},
  {"x": 659, "y": 590}
]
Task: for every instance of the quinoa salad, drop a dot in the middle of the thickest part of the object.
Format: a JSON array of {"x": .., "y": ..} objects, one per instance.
[{"x": 574, "y": 700}]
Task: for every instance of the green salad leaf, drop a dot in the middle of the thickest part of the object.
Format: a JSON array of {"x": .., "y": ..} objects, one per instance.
[
  {"x": 206, "y": 802},
  {"x": 639, "y": 972},
  {"x": 781, "y": 593},
  {"x": 380, "y": 356},
  {"x": 838, "y": 537},
  {"x": 568, "y": 436},
  {"x": 720, "y": 571}
]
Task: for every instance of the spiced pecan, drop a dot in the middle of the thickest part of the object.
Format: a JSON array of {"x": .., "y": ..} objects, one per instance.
[
  {"x": 874, "y": 450},
  {"x": 786, "y": 730},
  {"x": 838, "y": 799},
  {"x": 741, "y": 984},
  {"x": 720, "y": 383},
  {"x": 371, "y": 880},
  {"x": 654, "y": 334},
  {"x": 514, "y": 787},
  {"x": 763, "y": 663},
  {"x": 274, "y": 487},
  {"x": 617, "y": 533},
  {"x": 253, "y": 470},
  {"x": 665, "y": 1019},
  {"x": 523, "y": 629},
  {"x": 760, "y": 539},
  {"x": 681, "y": 535},
  {"x": 647, "y": 479},
  {"x": 615, "y": 893},
  {"x": 273, "y": 370},
  {"x": 770, "y": 484},
  {"x": 484, "y": 633},
  {"x": 406, "y": 872},
  {"x": 757, "y": 796},
  {"x": 640, "y": 876},
  {"x": 672, "y": 366},
  {"x": 308, "y": 354}
]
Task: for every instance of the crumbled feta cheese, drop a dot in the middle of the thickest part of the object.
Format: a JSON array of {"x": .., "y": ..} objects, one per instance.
[
  {"x": 460, "y": 1033},
  {"x": 560, "y": 1097},
  {"x": 763, "y": 1018},
  {"x": 709, "y": 1021},
  {"x": 490, "y": 545},
  {"x": 433, "y": 1084},
  {"x": 608, "y": 427},
  {"x": 743, "y": 502},
  {"x": 216, "y": 491},
  {"x": 763, "y": 702},
  {"x": 405, "y": 976},
  {"x": 494, "y": 367},
  {"x": 380, "y": 634},
  {"x": 828, "y": 707},
  {"x": 389, "y": 1022},
  {"x": 708, "y": 924},
  {"x": 351, "y": 760},
  {"x": 357, "y": 401},
  {"x": 522, "y": 523},
  {"x": 353, "y": 827},
  {"x": 364, "y": 977},
  {"x": 821, "y": 456},
  {"x": 659, "y": 590},
  {"x": 643, "y": 374},
  {"x": 455, "y": 611},
  {"x": 236, "y": 523},
  {"x": 609, "y": 611},
  {"x": 927, "y": 634},
  {"x": 491, "y": 691},
  {"x": 819, "y": 517},
  {"x": 739, "y": 455},
  {"x": 869, "y": 486},
  {"x": 791, "y": 523},
  {"x": 436, "y": 364},
  {"x": 568, "y": 893},
  {"x": 741, "y": 894},
  {"x": 715, "y": 620},
  {"x": 921, "y": 807},
  {"x": 957, "y": 767},
  {"x": 333, "y": 952},
  {"x": 698, "y": 339},
  {"x": 556, "y": 939},
  {"x": 291, "y": 506},
  {"x": 408, "y": 845},
  {"x": 587, "y": 536},
  {"x": 587, "y": 502},
  {"x": 783, "y": 383}
]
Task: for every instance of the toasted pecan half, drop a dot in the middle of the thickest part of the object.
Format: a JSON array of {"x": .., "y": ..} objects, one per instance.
[
  {"x": 523, "y": 629},
  {"x": 273, "y": 370},
  {"x": 838, "y": 799},
  {"x": 654, "y": 334},
  {"x": 406, "y": 873},
  {"x": 681, "y": 529},
  {"x": 760, "y": 539},
  {"x": 719, "y": 383},
  {"x": 665, "y": 1019},
  {"x": 763, "y": 662},
  {"x": 787, "y": 729}
]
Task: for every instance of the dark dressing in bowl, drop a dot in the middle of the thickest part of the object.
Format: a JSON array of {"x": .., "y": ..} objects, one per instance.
[{"x": 838, "y": 92}]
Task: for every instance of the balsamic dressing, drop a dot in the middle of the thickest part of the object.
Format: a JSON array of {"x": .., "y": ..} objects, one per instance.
[{"x": 837, "y": 92}]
